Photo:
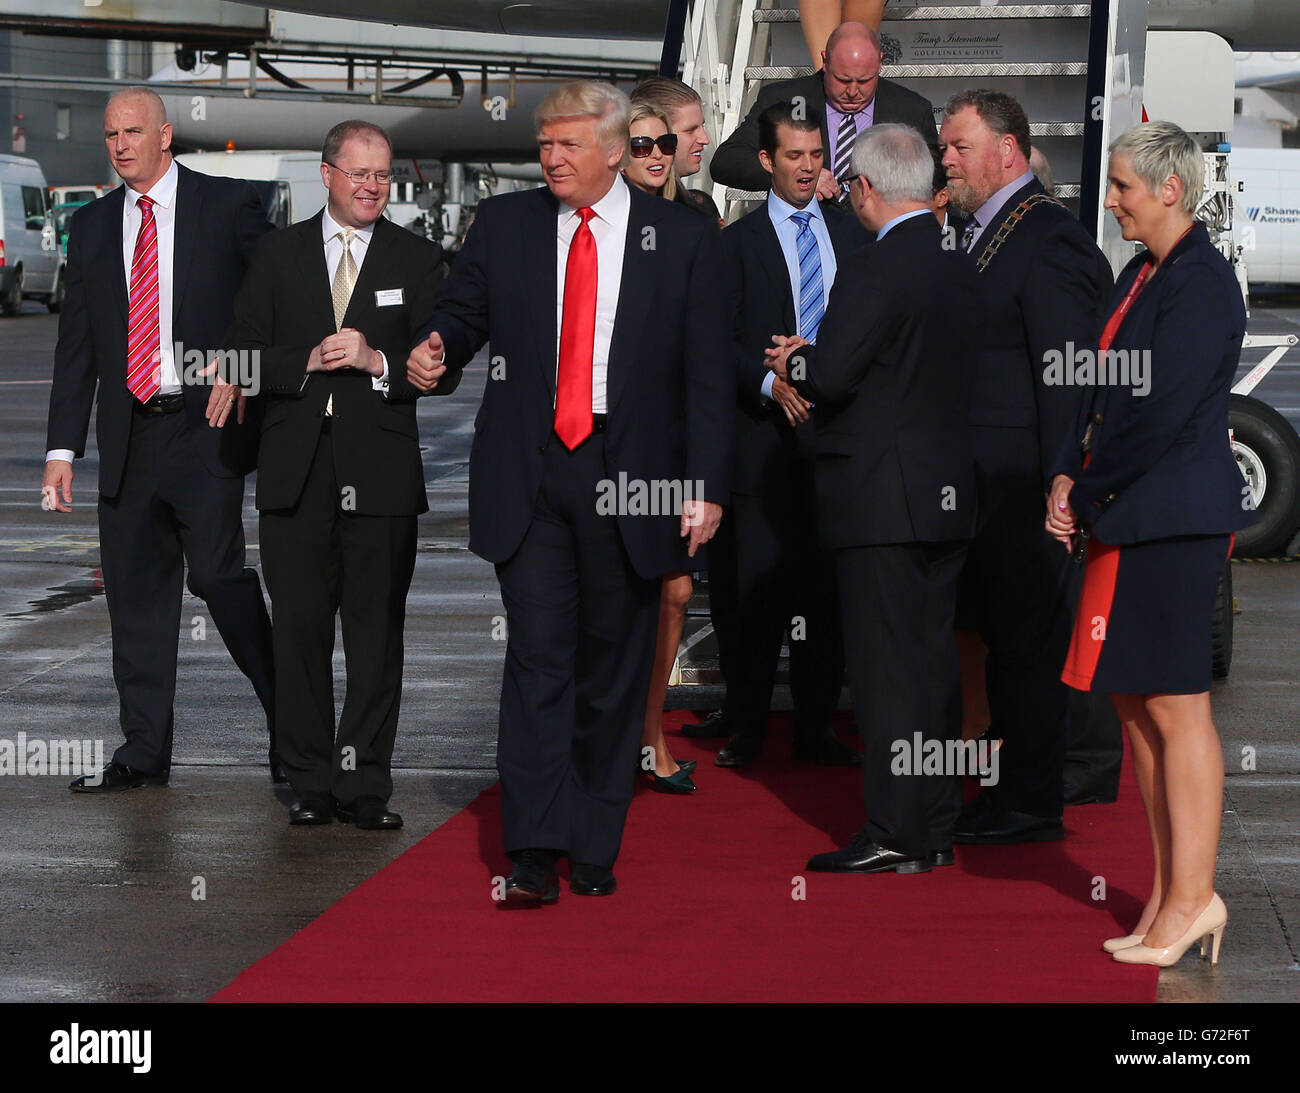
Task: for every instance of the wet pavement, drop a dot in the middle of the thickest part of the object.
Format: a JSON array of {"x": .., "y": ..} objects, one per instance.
[{"x": 98, "y": 896}]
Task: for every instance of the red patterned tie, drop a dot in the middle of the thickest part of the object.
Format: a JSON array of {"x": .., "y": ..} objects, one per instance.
[
  {"x": 577, "y": 338},
  {"x": 143, "y": 370}
]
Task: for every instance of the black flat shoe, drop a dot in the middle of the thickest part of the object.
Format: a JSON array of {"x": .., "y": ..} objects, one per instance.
[
  {"x": 864, "y": 856},
  {"x": 680, "y": 782},
  {"x": 739, "y": 751},
  {"x": 369, "y": 814},
  {"x": 1002, "y": 827},
  {"x": 310, "y": 809},
  {"x": 591, "y": 880},
  {"x": 534, "y": 880},
  {"x": 713, "y": 725},
  {"x": 116, "y": 776}
]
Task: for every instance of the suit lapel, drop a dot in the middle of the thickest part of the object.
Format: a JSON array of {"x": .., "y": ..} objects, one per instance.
[
  {"x": 121, "y": 290},
  {"x": 772, "y": 260},
  {"x": 189, "y": 204},
  {"x": 538, "y": 244},
  {"x": 635, "y": 291},
  {"x": 1008, "y": 207},
  {"x": 315, "y": 273}
]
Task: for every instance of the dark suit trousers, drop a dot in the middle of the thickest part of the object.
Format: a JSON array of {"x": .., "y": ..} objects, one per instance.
[
  {"x": 785, "y": 582},
  {"x": 582, "y": 629},
  {"x": 1017, "y": 592},
  {"x": 319, "y": 561},
  {"x": 171, "y": 512},
  {"x": 898, "y": 602}
]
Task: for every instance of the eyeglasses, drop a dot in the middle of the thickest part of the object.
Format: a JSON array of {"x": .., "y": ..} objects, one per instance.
[
  {"x": 642, "y": 146},
  {"x": 359, "y": 177}
]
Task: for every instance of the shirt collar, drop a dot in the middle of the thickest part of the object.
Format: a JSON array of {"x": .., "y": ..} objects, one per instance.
[
  {"x": 163, "y": 192},
  {"x": 898, "y": 220},
  {"x": 610, "y": 208},
  {"x": 331, "y": 227},
  {"x": 781, "y": 210},
  {"x": 986, "y": 212}
]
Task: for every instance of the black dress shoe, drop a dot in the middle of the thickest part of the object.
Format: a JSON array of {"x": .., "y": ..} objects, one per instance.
[
  {"x": 368, "y": 813},
  {"x": 310, "y": 808},
  {"x": 713, "y": 725},
  {"x": 534, "y": 880},
  {"x": 677, "y": 782},
  {"x": 1005, "y": 826},
  {"x": 976, "y": 809},
  {"x": 943, "y": 857},
  {"x": 591, "y": 880},
  {"x": 739, "y": 751},
  {"x": 827, "y": 750},
  {"x": 276, "y": 765},
  {"x": 115, "y": 776},
  {"x": 864, "y": 856}
]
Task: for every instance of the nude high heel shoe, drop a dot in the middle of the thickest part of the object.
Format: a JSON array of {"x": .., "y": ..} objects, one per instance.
[
  {"x": 1114, "y": 944},
  {"x": 1208, "y": 929}
]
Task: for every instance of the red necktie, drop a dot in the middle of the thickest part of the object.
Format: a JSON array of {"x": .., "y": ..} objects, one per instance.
[
  {"x": 577, "y": 338},
  {"x": 143, "y": 370}
]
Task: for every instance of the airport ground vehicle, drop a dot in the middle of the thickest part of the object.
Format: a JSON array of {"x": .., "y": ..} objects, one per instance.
[{"x": 29, "y": 254}]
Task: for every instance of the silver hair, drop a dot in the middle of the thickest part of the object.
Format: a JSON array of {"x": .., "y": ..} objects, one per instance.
[
  {"x": 896, "y": 161},
  {"x": 589, "y": 99},
  {"x": 1157, "y": 150}
]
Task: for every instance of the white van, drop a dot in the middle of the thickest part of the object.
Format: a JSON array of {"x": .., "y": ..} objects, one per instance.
[
  {"x": 30, "y": 265},
  {"x": 289, "y": 182},
  {"x": 1267, "y": 220}
]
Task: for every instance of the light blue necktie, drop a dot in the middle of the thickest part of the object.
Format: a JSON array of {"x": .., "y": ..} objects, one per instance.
[{"x": 811, "y": 305}]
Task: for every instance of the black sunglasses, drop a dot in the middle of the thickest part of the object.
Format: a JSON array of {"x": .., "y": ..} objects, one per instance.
[{"x": 641, "y": 146}]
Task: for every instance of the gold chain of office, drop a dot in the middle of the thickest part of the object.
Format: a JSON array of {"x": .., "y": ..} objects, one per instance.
[{"x": 1009, "y": 225}]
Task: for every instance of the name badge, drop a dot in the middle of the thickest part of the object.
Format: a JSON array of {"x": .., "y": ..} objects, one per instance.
[{"x": 387, "y": 297}]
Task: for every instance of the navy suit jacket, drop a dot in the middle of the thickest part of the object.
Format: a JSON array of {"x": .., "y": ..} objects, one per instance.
[
  {"x": 219, "y": 222},
  {"x": 760, "y": 303},
  {"x": 1045, "y": 287},
  {"x": 890, "y": 379},
  {"x": 1161, "y": 462},
  {"x": 670, "y": 378}
]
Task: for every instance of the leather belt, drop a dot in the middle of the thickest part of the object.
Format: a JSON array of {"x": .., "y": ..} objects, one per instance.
[
  {"x": 598, "y": 422},
  {"x": 161, "y": 404}
]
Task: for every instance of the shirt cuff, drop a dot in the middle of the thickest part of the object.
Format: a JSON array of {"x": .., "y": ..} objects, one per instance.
[
  {"x": 66, "y": 454},
  {"x": 380, "y": 382},
  {"x": 766, "y": 387}
]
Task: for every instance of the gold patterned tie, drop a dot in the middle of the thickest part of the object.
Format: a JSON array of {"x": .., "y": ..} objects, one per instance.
[{"x": 345, "y": 278}]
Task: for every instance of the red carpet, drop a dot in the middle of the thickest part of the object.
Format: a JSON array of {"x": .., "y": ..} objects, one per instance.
[{"x": 704, "y": 911}]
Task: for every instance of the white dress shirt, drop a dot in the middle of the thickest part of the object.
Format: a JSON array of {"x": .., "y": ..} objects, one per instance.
[
  {"x": 609, "y": 228},
  {"x": 163, "y": 195},
  {"x": 787, "y": 233},
  {"x": 334, "y": 255}
]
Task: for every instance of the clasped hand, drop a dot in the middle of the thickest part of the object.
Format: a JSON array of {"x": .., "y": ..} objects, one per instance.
[{"x": 794, "y": 405}]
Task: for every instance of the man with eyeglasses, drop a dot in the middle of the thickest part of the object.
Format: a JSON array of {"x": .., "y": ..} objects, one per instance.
[
  {"x": 331, "y": 305},
  {"x": 851, "y": 96}
]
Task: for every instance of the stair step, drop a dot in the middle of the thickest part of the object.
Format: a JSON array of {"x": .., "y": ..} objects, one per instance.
[
  {"x": 895, "y": 72},
  {"x": 1012, "y": 11},
  {"x": 1063, "y": 189}
]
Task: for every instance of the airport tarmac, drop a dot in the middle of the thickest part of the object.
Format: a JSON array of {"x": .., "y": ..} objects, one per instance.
[{"x": 97, "y": 894}]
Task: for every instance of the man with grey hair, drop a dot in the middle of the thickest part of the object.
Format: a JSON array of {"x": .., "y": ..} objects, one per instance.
[
  {"x": 1043, "y": 284},
  {"x": 889, "y": 377},
  {"x": 848, "y": 93},
  {"x": 152, "y": 272},
  {"x": 603, "y": 305}
]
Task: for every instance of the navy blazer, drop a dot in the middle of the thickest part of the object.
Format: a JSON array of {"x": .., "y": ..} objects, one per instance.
[
  {"x": 890, "y": 379},
  {"x": 219, "y": 222},
  {"x": 670, "y": 379},
  {"x": 760, "y": 303},
  {"x": 1161, "y": 462}
]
